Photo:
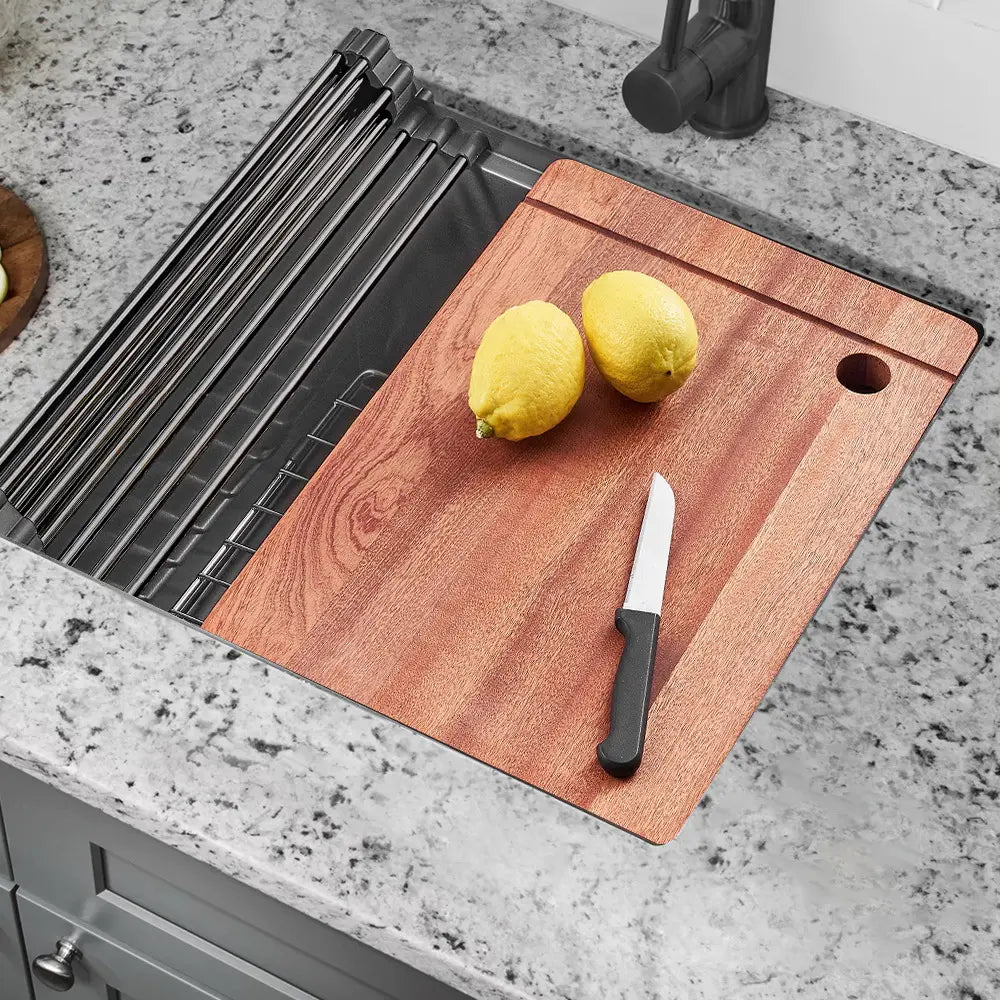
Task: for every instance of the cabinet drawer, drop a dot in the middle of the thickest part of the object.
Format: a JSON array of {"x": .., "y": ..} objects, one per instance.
[
  {"x": 13, "y": 971},
  {"x": 128, "y": 886},
  {"x": 106, "y": 968}
]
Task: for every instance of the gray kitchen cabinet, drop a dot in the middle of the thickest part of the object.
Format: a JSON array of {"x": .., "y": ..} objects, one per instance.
[
  {"x": 13, "y": 968},
  {"x": 141, "y": 901}
]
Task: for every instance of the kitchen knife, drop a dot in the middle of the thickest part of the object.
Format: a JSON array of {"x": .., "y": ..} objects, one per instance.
[{"x": 638, "y": 620}]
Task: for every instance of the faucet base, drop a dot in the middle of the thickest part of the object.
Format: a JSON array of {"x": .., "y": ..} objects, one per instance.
[
  {"x": 711, "y": 70},
  {"x": 740, "y": 131}
]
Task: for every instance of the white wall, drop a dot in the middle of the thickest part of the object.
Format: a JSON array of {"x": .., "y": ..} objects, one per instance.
[{"x": 929, "y": 67}]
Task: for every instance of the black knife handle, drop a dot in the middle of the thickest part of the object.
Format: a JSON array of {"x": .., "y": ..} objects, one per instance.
[{"x": 621, "y": 753}]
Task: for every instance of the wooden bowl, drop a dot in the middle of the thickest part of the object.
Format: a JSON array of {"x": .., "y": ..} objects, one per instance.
[{"x": 26, "y": 263}]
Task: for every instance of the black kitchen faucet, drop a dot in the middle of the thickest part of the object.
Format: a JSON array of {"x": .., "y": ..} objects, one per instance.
[{"x": 710, "y": 70}]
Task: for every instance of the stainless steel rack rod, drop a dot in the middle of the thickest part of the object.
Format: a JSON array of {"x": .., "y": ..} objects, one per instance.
[
  {"x": 301, "y": 370},
  {"x": 219, "y": 308},
  {"x": 208, "y": 215},
  {"x": 209, "y": 379},
  {"x": 184, "y": 284}
]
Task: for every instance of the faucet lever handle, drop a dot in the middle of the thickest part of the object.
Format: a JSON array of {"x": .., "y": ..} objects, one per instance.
[{"x": 675, "y": 21}]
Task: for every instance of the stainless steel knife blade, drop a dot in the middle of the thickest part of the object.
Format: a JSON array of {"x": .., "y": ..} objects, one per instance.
[{"x": 652, "y": 553}]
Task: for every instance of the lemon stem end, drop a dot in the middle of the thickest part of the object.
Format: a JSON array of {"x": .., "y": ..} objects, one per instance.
[{"x": 483, "y": 429}]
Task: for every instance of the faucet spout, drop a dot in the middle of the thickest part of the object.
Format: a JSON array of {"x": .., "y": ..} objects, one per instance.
[{"x": 710, "y": 70}]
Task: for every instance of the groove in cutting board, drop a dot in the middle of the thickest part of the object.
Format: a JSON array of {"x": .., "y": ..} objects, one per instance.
[{"x": 467, "y": 588}]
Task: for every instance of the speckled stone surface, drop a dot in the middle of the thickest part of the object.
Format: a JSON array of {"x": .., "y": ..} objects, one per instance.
[{"x": 848, "y": 847}]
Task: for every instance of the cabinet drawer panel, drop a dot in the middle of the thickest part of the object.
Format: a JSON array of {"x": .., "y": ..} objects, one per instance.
[
  {"x": 105, "y": 966},
  {"x": 100, "y": 872},
  {"x": 13, "y": 972},
  {"x": 184, "y": 905}
]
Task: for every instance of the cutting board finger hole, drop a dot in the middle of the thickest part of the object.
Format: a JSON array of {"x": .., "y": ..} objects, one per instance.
[{"x": 863, "y": 373}]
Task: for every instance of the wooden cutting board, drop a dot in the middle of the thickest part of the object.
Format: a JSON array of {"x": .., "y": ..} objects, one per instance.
[{"x": 467, "y": 588}]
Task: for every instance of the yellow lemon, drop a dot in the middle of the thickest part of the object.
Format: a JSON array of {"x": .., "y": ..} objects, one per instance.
[
  {"x": 528, "y": 372},
  {"x": 641, "y": 333}
]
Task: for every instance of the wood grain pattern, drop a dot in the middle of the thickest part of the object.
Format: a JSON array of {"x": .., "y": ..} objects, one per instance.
[
  {"x": 26, "y": 262},
  {"x": 467, "y": 588}
]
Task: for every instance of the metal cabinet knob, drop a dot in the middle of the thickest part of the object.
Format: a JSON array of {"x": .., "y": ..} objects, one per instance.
[{"x": 56, "y": 971}]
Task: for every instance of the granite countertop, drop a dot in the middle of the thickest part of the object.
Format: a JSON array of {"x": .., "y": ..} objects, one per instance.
[{"x": 848, "y": 847}]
